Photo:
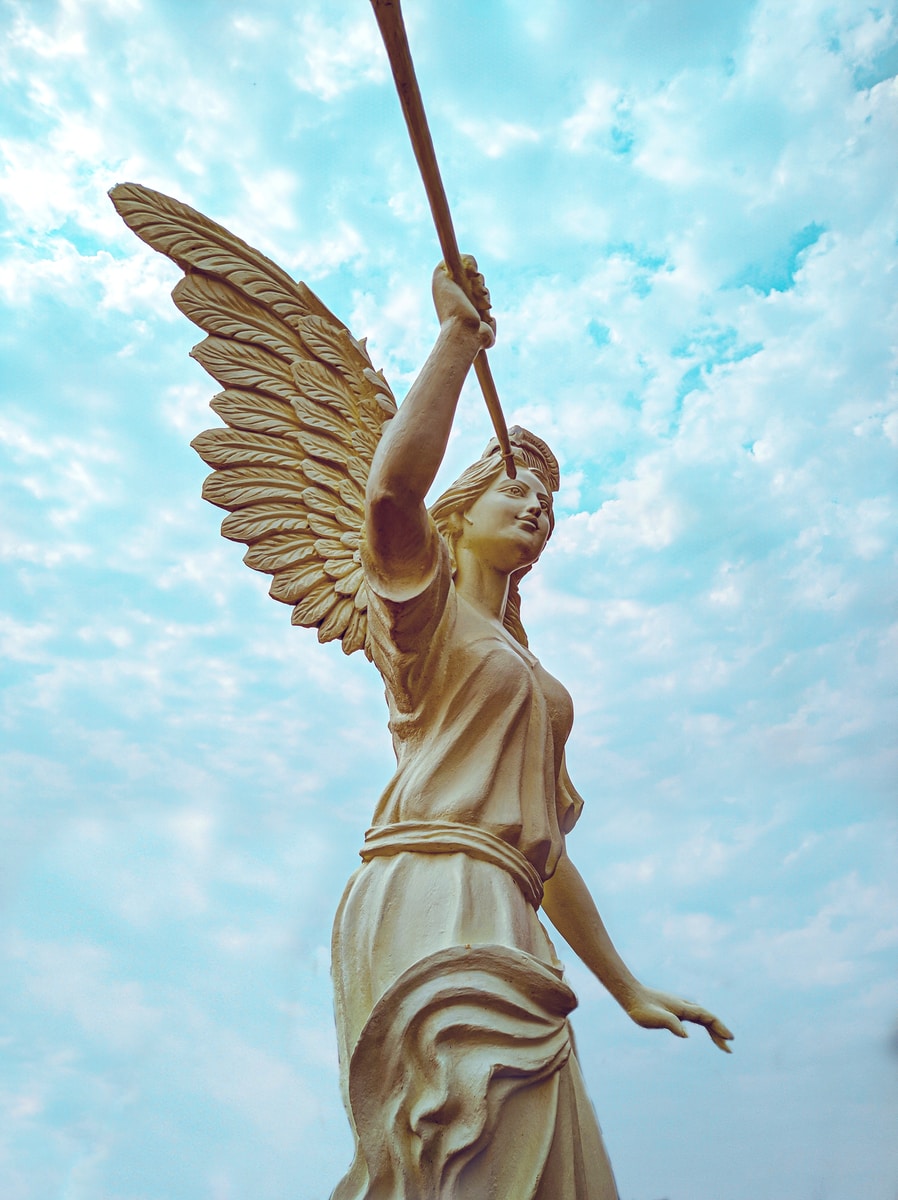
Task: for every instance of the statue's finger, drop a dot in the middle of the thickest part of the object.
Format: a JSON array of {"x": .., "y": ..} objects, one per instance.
[
  {"x": 688, "y": 1011},
  {"x": 663, "y": 1018},
  {"x": 720, "y": 1042},
  {"x": 701, "y": 1016}
]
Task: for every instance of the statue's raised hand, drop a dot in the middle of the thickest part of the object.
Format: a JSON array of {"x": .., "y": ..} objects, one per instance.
[
  {"x": 469, "y": 302},
  {"x": 659, "y": 1010}
]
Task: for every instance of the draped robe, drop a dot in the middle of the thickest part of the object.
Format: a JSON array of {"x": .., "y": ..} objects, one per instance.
[{"x": 457, "y": 1061}]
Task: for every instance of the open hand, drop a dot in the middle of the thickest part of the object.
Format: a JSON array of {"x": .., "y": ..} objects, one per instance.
[
  {"x": 470, "y": 302},
  {"x": 659, "y": 1010}
]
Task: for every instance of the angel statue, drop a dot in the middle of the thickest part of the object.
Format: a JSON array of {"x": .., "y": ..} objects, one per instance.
[{"x": 457, "y": 1065}]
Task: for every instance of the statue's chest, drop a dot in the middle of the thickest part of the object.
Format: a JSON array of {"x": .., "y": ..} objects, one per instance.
[{"x": 493, "y": 662}]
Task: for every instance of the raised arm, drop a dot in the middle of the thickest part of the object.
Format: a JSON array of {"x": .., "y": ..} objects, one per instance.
[
  {"x": 572, "y": 911},
  {"x": 414, "y": 442}
]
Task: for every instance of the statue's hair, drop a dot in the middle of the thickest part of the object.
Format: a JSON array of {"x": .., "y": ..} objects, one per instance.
[{"x": 529, "y": 452}]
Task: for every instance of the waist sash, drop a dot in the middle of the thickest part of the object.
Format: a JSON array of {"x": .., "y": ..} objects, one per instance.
[{"x": 450, "y": 837}]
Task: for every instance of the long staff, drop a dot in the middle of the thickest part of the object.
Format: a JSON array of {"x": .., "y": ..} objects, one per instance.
[{"x": 392, "y": 30}]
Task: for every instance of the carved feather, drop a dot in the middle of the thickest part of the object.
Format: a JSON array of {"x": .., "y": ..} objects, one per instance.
[
  {"x": 346, "y": 517},
  {"x": 251, "y": 524},
  {"x": 303, "y": 409},
  {"x": 350, "y": 583},
  {"x": 240, "y": 486},
  {"x": 321, "y": 473},
  {"x": 325, "y": 449},
  {"x": 351, "y": 494},
  {"x": 279, "y": 552},
  {"x": 194, "y": 242},
  {"x": 382, "y": 392},
  {"x": 254, "y": 411},
  {"x": 320, "y": 500},
  {"x": 317, "y": 418},
  {"x": 360, "y": 600},
  {"x": 236, "y": 448},
  {"x": 325, "y": 387},
  {"x": 355, "y": 636},
  {"x": 335, "y": 623},
  {"x": 327, "y": 548},
  {"x": 364, "y": 441},
  {"x": 332, "y": 344},
  {"x": 340, "y": 568},
  {"x": 242, "y": 365},
  {"x": 297, "y": 582},
  {"x": 317, "y": 602},
  {"x": 216, "y": 307},
  {"x": 358, "y": 470}
]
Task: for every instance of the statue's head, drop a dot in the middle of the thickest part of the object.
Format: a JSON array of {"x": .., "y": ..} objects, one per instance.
[{"x": 538, "y": 470}]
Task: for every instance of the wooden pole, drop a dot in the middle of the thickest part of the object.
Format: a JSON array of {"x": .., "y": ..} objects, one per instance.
[{"x": 392, "y": 29}]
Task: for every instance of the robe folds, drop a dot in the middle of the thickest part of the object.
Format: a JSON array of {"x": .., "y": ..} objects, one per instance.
[{"x": 459, "y": 1073}]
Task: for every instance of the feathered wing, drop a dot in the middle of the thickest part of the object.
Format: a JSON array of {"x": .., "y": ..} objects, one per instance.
[{"x": 303, "y": 409}]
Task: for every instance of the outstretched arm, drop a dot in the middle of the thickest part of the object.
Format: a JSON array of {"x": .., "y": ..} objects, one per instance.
[
  {"x": 572, "y": 911},
  {"x": 414, "y": 442}
]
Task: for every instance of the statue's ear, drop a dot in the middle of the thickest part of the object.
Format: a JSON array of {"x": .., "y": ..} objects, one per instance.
[{"x": 451, "y": 531}]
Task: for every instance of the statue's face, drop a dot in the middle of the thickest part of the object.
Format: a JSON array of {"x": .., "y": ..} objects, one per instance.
[{"x": 508, "y": 525}]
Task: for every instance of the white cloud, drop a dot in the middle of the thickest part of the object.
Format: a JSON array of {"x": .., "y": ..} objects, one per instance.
[
  {"x": 644, "y": 513},
  {"x": 39, "y": 553},
  {"x": 700, "y": 935},
  {"x": 834, "y": 946},
  {"x": 596, "y": 115},
  {"x": 273, "y": 195},
  {"x": 75, "y": 978},
  {"x": 70, "y": 476},
  {"x": 338, "y": 57},
  {"x": 23, "y": 642},
  {"x": 344, "y": 245},
  {"x": 398, "y": 327},
  {"x": 249, "y": 1081},
  {"x": 65, "y": 42},
  {"x": 185, "y": 408},
  {"x": 495, "y": 138}
]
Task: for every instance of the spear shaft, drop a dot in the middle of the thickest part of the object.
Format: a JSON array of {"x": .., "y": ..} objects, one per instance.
[{"x": 392, "y": 29}]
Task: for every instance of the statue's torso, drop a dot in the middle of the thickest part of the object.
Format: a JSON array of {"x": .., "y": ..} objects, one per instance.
[{"x": 478, "y": 724}]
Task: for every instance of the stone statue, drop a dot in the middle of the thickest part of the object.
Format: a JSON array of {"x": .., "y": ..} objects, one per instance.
[{"x": 457, "y": 1065}]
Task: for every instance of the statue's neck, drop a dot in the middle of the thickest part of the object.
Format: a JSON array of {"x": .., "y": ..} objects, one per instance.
[{"x": 485, "y": 588}]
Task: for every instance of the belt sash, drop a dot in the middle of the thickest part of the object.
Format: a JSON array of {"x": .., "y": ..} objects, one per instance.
[{"x": 451, "y": 837}]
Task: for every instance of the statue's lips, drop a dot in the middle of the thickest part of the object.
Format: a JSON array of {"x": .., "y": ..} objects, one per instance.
[{"x": 528, "y": 523}]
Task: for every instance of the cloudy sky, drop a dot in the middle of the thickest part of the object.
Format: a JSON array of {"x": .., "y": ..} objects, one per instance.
[{"x": 686, "y": 212}]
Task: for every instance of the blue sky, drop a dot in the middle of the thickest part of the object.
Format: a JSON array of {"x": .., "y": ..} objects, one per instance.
[{"x": 686, "y": 214}]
